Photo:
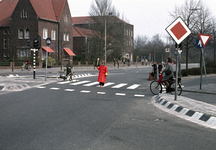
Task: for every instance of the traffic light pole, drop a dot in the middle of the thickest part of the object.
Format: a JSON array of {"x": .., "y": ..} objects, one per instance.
[{"x": 34, "y": 62}]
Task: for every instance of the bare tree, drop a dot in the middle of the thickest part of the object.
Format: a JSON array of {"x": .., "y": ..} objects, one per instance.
[{"x": 197, "y": 17}]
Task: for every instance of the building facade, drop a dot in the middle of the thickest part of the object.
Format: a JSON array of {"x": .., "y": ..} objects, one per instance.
[
  {"x": 29, "y": 18},
  {"x": 125, "y": 29}
]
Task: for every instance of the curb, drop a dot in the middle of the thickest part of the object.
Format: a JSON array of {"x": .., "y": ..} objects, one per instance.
[
  {"x": 202, "y": 92},
  {"x": 185, "y": 113}
]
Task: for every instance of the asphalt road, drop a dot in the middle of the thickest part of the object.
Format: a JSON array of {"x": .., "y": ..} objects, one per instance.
[{"x": 70, "y": 116}]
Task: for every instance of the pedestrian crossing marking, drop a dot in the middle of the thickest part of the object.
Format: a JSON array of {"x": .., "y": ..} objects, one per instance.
[
  {"x": 84, "y": 91},
  {"x": 107, "y": 84},
  {"x": 78, "y": 83},
  {"x": 138, "y": 95},
  {"x": 41, "y": 87},
  {"x": 101, "y": 93},
  {"x": 120, "y": 94},
  {"x": 91, "y": 84},
  {"x": 54, "y": 88},
  {"x": 119, "y": 85},
  {"x": 64, "y": 82},
  {"x": 69, "y": 90},
  {"x": 134, "y": 86}
]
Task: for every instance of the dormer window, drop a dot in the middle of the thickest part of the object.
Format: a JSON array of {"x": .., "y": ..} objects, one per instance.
[{"x": 23, "y": 14}]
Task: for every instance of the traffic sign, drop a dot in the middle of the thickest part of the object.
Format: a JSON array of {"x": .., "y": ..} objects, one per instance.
[
  {"x": 166, "y": 49},
  {"x": 204, "y": 38},
  {"x": 178, "y": 30},
  {"x": 48, "y": 41},
  {"x": 199, "y": 43}
]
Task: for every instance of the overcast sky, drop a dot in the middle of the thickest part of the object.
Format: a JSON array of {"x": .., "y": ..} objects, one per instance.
[{"x": 149, "y": 17}]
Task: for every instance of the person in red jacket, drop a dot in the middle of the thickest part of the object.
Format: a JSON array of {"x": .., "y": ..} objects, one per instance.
[{"x": 102, "y": 74}]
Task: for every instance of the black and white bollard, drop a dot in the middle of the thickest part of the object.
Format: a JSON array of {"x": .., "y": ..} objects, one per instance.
[{"x": 34, "y": 62}]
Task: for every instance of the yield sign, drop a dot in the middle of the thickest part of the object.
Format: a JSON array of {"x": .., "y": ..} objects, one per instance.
[
  {"x": 204, "y": 38},
  {"x": 178, "y": 30}
]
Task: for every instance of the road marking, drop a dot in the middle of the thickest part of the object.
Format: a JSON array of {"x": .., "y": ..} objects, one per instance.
[
  {"x": 64, "y": 82},
  {"x": 101, "y": 93},
  {"x": 91, "y": 84},
  {"x": 81, "y": 82},
  {"x": 134, "y": 86},
  {"x": 83, "y": 91},
  {"x": 54, "y": 88},
  {"x": 120, "y": 94},
  {"x": 69, "y": 90},
  {"x": 119, "y": 85},
  {"x": 107, "y": 84},
  {"x": 137, "y": 95}
]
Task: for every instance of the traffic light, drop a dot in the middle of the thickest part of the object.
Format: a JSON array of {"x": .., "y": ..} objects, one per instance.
[
  {"x": 37, "y": 42},
  {"x": 30, "y": 43}
]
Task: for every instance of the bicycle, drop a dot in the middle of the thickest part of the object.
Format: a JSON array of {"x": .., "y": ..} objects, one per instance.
[
  {"x": 156, "y": 87},
  {"x": 61, "y": 75}
]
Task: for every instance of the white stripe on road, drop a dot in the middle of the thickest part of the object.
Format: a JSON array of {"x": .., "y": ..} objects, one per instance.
[
  {"x": 69, "y": 90},
  {"x": 107, "y": 84},
  {"x": 81, "y": 82},
  {"x": 120, "y": 94},
  {"x": 134, "y": 86},
  {"x": 137, "y": 95},
  {"x": 54, "y": 88},
  {"x": 83, "y": 91},
  {"x": 119, "y": 85},
  {"x": 101, "y": 93},
  {"x": 64, "y": 82},
  {"x": 91, "y": 84}
]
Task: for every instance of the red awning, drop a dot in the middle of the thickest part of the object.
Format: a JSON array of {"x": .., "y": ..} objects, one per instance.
[
  {"x": 48, "y": 50},
  {"x": 69, "y": 51}
]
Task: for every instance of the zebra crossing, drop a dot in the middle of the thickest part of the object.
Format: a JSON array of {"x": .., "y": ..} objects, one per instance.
[{"x": 88, "y": 83}]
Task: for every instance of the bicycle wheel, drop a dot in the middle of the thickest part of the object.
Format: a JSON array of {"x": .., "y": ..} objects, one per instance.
[
  {"x": 179, "y": 88},
  {"x": 155, "y": 87},
  {"x": 58, "y": 77}
]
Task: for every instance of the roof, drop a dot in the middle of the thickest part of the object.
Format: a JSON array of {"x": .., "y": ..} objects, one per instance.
[
  {"x": 82, "y": 20},
  {"x": 6, "y": 9},
  {"x": 91, "y": 19},
  {"x": 46, "y": 9},
  {"x": 79, "y": 32}
]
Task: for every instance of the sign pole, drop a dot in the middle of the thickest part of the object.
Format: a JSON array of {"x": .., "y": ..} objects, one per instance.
[
  {"x": 46, "y": 63},
  {"x": 177, "y": 64},
  {"x": 202, "y": 65}
]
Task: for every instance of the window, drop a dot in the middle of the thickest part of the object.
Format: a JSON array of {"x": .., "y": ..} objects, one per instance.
[
  {"x": 45, "y": 33},
  {"x": 27, "y": 33},
  {"x": 64, "y": 37},
  {"x": 23, "y": 14},
  {"x": 67, "y": 37},
  {"x": 53, "y": 34},
  {"x": 23, "y": 52},
  {"x": 20, "y": 33},
  {"x": 5, "y": 43},
  {"x": 66, "y": 18}
]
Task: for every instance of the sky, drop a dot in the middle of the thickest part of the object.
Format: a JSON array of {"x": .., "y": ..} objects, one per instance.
[{"x": 149, "y": 17}]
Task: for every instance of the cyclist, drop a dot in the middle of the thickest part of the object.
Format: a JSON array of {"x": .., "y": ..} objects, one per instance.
[
  {"x": 168, "y": 71},
  {"x": 69, "y": 66}
]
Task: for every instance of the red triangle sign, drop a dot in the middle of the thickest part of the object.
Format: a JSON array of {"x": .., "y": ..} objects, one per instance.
[{"x": 204, "y": 38}]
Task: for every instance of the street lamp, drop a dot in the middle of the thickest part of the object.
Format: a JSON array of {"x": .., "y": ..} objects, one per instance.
[{"x": 110, "y": 14}]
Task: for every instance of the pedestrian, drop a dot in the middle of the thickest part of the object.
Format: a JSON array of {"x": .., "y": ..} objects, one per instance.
[
  {"x": 160, "y": 69},
  {"x": 69, "y": 66},
  {"x": 154, "y": 68},
  {"x": 168, "y": 71},
  {"x": 114, "y": 62},
  {"x": 102, "y": 73},
  {"x": 142, "y": 62},
  {"x": 117, "y": 63},
  {"x": 128, "y": 62},
  {"x": 146, "y": 62}
]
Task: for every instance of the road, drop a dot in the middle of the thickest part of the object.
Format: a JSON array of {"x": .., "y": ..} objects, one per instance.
[{"x": 82, "y": 116}]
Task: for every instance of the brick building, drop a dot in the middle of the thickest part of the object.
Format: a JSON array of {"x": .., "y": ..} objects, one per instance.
[
  {"x": 87, "y": 24},
  {"x": 22, "y": 20}
]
